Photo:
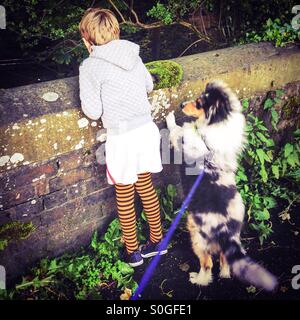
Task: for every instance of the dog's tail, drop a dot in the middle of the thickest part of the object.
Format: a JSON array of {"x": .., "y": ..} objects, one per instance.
[{"x": 243, "y": 267}]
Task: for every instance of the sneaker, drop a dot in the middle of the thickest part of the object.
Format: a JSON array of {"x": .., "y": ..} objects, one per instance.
[
  {"x": 150, "y": 249},
  {"x": 134, "y": 259}
]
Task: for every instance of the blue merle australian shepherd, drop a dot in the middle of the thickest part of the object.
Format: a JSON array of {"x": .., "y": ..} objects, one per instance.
[{"x": 216, "y": 134}]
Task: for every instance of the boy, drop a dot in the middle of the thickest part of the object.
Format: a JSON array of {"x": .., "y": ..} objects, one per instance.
[{"x": 113, "y": 85}]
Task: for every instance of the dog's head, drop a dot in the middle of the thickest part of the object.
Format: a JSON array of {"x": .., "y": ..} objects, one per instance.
[{"x": 212, "y": 106}]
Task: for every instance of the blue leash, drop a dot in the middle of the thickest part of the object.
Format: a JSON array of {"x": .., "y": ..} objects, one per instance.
[{"x": 163, "y": 245}]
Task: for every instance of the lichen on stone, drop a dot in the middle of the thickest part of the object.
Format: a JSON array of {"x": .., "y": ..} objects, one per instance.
[
  {"x": 15, "y": 230},
  {"x": 168, "y": 72},
  {"x": 50, "y": 96},
  {"x": 16, "y": 157}
]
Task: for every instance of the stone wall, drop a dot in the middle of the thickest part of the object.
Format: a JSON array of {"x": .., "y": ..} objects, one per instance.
[{"x": 48, "y": 172}]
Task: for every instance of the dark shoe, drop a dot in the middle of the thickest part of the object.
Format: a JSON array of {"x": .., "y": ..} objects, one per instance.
[
  {"x": 150, "y": 249},
  {"x": 134, "y": 259}
]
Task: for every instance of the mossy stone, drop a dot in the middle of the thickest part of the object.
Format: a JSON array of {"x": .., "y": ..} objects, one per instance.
[
  {"x": 168, "y": 72},
  {"x": 290, "y": 106},
  {"x": 14, "y": 230}
]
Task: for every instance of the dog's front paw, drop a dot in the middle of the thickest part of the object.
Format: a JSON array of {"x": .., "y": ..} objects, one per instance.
[
  {"x": 193, "y": 277},
  {"x": 176, "y": 137},
  {"x": 170, "y": 119},
  {"x": 225, "y": 272},
  {"x": 203, "y": 278}
]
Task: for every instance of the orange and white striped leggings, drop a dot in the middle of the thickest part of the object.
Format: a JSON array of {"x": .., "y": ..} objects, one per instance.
[{"x": 126, "y": 211}]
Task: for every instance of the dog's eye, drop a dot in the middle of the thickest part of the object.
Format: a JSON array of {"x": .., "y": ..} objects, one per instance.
[{"x": 198, "y": 104}]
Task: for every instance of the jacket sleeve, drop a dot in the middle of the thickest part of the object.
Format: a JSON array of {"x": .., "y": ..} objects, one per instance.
[
  {"x": 148, "y": 79},
  {"x": 90, "y": 93}
]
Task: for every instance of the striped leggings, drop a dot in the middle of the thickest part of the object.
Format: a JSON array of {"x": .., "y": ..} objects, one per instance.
[{"x": 126, "y": 210}]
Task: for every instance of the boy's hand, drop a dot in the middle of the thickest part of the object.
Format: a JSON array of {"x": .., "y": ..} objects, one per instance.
[
  {"x": 170, "y": 119},
  {"x": 101, "y": 137},
  {"x": 176, "y": 132}
]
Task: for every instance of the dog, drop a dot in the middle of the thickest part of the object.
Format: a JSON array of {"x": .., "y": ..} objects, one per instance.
[{"x": 216, "y": 212}]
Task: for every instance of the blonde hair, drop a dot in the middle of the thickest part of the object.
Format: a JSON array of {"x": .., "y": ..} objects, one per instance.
[{"x": 99, "y": 26}]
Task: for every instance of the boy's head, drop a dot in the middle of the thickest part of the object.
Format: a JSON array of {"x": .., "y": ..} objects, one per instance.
[{"x": 99, "y": 26}]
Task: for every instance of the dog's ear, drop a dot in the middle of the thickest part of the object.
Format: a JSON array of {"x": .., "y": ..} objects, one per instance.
[
  {"x": 217, "y": 96},
  {"x": 218, "y": 104}
]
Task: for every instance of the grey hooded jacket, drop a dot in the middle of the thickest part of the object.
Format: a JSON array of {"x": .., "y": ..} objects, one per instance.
[{"x": 113, "y": 85}]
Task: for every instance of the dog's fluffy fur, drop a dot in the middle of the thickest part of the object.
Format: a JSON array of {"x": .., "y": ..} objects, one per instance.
[{"x": 217, "y": 210}]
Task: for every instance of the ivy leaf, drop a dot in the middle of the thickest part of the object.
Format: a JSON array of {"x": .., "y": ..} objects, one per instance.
[
  {"x": 262, "y": 156},
  {"x": 262, "y": 215},
  {"x": 143, "y": 215},
  {"x": 288, "y": 149},
  {"x": 261, "y": 137},
  {"x": 171, "y": 190},
  {"x": 251, "y": 289},
  {"x": 241, "y": 176},
  {"x": 297, "y": 133},
  {"x": 245, "y": 104},
  {"x": 270, "y": 143},
  {"x": 275, "y": 171},
  {"x": 269, "y": 22},
  {"x": 263, "y": 173},
  {"x": 270, "y": 202},
  {"x": 275, "y": 118},
  {"x": 124, "y": 268},
  {"x": 270, "y": 155},
  {"x": 94, "y": 240},
  {"x": 293, "y": 159},
  {"x": 279, "y": 93},
  {"x": 277, "y": 100},
  {"x": 248, "y": 128},
  {"x": 268, "y": 104},
  {"x": 262, "y": 127}
]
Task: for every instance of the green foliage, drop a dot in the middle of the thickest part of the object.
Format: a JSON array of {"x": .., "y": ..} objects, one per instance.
[
  {"x": 245, "y": 104},
  {"x": 274, "y": 31},
  {"x": 160, "y": 12},
  {"x": 167, "y": 203},
  {"x": 79, "y": 276},
  {"x": 14, "y": 231},
  {"x": 173, "y": 10},
  {"x": 49, "y": 28},
  {"x": 129, "y": 28},
  {"x": 48, "y": 31},
  {"x": 267, "y": 174},
  {"x": 169, "y": 73},
  {"x": 3, "y": 244},
  {"x": 83, "y": 275}
]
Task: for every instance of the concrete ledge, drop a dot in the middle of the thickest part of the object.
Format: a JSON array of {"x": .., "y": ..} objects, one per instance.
[{"x": 58, "y": 126}]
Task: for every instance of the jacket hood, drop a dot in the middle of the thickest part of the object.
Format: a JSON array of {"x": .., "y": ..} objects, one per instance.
[{"x": 122, "y": 53}]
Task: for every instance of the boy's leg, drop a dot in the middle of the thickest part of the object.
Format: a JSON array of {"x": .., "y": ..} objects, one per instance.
[
  {"x": 151, "y": 205},
  {"x": 127, "y": 217}
]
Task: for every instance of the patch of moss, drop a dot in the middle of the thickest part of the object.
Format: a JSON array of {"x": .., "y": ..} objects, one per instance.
[
  {"x": 169, "y": 73},
  {"x": 3, "y": 244},
  {"x": 14, "y": 230}
]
